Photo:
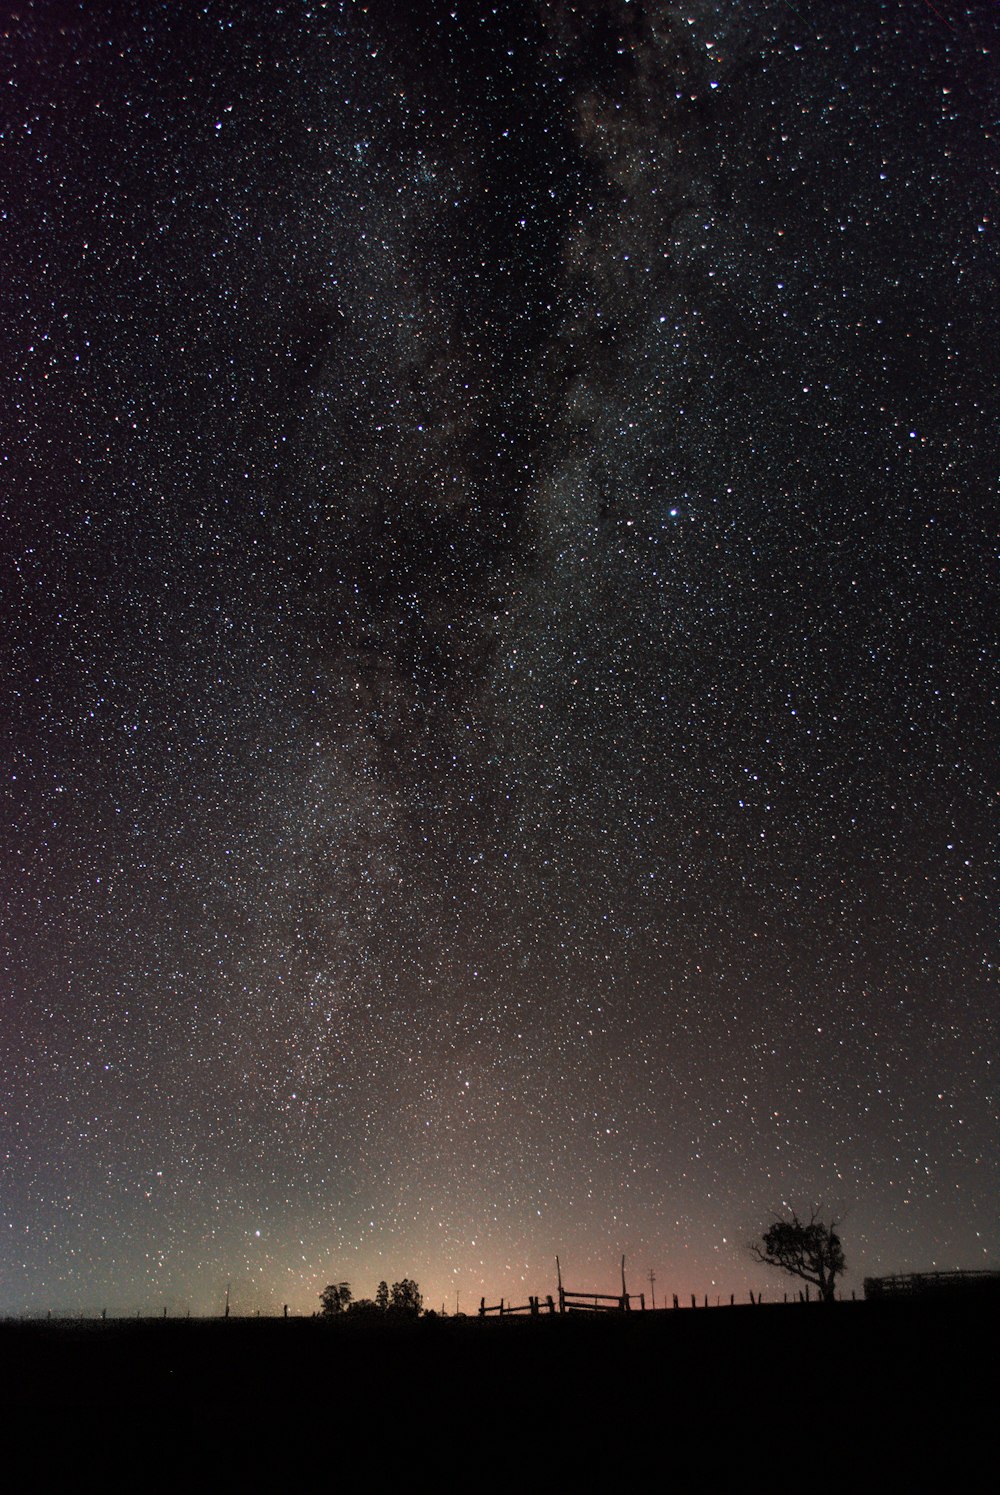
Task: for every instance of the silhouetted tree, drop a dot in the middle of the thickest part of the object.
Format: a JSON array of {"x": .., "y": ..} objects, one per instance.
[
  {"x": 406, "y": 1298},
  {"x": 382, "y": 1296},
  {"x": 335, "y": 1298},
  {"x": 810, "y": 1250}
]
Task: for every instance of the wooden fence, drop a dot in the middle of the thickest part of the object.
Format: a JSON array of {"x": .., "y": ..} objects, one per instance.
[
  {"x": 503, "y": 1310},
  {"x": 574, "y": 1301},
  {"x": 585, "y": 1302}
]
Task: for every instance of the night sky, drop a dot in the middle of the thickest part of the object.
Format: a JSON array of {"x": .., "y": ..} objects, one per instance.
[{"x": 498, "y": 681}]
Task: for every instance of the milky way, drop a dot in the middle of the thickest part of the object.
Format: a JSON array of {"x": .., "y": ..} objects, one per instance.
[{"x": 499, "y": 695}]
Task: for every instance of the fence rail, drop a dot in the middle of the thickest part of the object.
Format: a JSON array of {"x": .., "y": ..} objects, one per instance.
[
  {"x": 932, "y": 1284},
  {"x": 504, "y": 1310}
]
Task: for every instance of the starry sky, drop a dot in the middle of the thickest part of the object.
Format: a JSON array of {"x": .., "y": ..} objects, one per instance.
[{"x": 498, "y": 690}]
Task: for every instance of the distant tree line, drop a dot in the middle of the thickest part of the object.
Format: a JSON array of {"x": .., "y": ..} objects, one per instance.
[{"x": 403, "y": 1300}]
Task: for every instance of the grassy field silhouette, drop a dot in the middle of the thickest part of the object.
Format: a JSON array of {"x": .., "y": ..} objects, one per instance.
[{"x": 877, "y": 1391}]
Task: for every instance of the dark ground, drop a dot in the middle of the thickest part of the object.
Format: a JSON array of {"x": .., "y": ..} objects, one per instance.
[{"x": 896, "y": 1393}]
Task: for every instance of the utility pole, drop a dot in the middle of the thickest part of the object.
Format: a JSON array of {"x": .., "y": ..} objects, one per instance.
[{"x": 652, "y": 1285}]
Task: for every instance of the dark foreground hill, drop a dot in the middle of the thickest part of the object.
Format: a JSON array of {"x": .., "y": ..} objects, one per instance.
[{"x": 789, "y": 1396}]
